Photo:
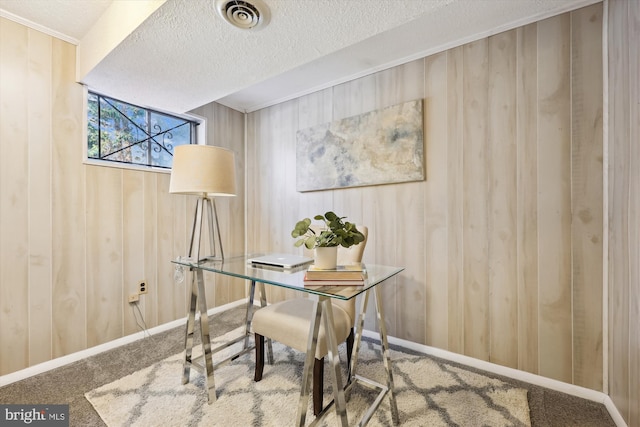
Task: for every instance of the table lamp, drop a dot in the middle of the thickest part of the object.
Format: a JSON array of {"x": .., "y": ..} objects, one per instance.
[{"x": 207, "y": 172}]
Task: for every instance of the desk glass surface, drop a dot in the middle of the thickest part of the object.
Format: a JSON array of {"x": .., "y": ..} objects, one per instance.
[{"x": 290, "y": 278}]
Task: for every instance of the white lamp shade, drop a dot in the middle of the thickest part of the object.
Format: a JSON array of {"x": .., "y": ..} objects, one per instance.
[{"x": 203, "y": 169}]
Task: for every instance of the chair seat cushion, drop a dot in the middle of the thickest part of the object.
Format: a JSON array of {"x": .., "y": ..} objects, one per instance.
[{"x": 288, "y": 323}]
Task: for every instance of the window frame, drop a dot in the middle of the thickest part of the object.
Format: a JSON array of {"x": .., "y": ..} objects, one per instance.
[{"x": 200, "y": 134}]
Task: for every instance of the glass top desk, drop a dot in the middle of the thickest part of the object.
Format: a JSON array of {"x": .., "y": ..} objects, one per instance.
[{"x": 293, "y": 279}]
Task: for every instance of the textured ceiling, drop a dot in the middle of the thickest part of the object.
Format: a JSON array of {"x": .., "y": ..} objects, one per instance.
[
  {"x": 70, "y": 20},
  {"x": 184, "y": 55}
]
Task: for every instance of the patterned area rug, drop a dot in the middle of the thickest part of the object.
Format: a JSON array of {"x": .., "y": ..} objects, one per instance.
[{"x": 428, "y": 392}]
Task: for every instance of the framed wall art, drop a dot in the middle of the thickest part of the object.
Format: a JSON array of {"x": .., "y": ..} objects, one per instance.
[{"x": 378, "y": 147}]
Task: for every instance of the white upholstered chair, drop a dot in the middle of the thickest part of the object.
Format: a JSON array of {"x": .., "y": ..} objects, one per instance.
[{"x": 288, "y": 323}]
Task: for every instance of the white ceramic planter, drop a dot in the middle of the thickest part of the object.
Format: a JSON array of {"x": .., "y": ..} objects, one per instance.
[{"x": 326, "y": 258}]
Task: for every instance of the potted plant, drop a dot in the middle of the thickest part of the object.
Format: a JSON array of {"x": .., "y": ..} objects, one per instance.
[{"x": 335, "y": 232}]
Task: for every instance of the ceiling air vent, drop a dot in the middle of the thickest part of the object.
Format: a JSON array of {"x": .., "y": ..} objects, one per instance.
[{"x": 244, "y": 14}]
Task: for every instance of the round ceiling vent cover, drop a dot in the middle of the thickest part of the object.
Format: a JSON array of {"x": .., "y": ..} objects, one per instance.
[{"x": 244, "y": 14}]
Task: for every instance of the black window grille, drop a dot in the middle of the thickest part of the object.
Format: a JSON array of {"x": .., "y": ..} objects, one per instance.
[{"x": 125, "y": 133}]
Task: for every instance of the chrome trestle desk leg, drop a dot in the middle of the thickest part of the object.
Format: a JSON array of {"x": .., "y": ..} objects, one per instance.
[
  {"x": 312, "y": 342},
  {"x": 198, "y": 294},
  {"x": 249, "y": 314},
  {"x": 249, "y": 317},
  {"x": 205, "y": 337},
  {"x": 357, "y": 339},
  {"x": 334, "y": 362},
  {"x": 188, "y": 338},
  {"x": 385, "y": 355},
  {"x": 323, "y": 305}
]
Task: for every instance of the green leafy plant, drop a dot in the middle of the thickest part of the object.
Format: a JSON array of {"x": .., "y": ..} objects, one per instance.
[{"x": 337, "y": 232}]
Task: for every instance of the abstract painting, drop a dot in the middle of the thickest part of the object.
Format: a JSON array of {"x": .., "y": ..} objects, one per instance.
[{"x": 379, "y": 147}]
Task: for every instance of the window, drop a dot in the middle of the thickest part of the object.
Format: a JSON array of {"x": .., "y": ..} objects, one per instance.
[{"x": 125, "y": 133}]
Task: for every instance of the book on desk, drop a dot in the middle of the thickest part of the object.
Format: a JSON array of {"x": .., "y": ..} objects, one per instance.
[{"x": 342, "y": 275}]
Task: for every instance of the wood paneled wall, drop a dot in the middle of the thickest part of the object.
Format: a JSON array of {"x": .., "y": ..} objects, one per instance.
[
  {"x": 624, "y": 208},
  {"x": 76, "y": 239},
  {"x": 502, "y": 243}
]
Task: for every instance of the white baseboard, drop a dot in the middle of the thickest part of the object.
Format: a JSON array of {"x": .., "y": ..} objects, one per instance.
[
  {"x": 74, "y": 357},
  {"x": 582, "y": 392}
]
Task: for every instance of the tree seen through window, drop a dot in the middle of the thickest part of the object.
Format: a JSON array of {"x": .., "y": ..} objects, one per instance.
[{"x": 125, "y": 133}]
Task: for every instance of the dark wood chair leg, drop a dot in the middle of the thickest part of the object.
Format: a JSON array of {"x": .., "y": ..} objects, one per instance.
[
  {"x": 318, "y": 369},
  {"x": 318, "y": 385},
  {"x": 318, "y": 375},
  {"x": 350, "y": 341},
  {"x": 259, "y": 342}
]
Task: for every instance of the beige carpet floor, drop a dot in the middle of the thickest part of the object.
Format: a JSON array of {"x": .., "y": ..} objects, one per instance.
[{"x": 68, "y": 384}]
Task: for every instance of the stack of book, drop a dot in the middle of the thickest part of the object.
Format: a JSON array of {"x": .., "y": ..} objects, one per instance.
[{"x": 342, "y": 275}]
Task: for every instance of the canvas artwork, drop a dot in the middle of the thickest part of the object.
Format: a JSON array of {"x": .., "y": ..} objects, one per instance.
[{"x": 379, "y": 147}]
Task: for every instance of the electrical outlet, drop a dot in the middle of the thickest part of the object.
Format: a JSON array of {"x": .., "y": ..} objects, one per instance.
[
  {"x": 142, "y": 287},
  {"x": 133, "y": 298}
]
